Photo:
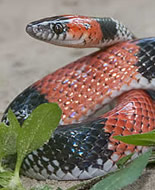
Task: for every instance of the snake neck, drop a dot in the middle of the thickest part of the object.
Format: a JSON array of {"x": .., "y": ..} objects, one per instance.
[
  {"x": 79, "y": 31},
  {"x": 113, "y": 31}
]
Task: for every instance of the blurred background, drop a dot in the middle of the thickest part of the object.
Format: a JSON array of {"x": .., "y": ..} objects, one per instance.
[{"x": 24, "y": 60}]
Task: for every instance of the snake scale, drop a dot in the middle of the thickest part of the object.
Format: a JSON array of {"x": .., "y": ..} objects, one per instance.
[{"x": 120, "y": 78}]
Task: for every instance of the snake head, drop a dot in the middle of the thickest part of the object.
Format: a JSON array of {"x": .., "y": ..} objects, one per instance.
[
  {"x": 78, "y": 31},
  {"x": 69, "y": 31}
]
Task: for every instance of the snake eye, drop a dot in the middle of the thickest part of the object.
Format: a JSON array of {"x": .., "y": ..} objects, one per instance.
[{"x": 58, "y": 28}]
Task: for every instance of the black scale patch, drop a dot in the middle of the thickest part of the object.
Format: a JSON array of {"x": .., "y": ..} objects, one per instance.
[
  {"x": 146, "y": 58},
  {"x": 74, "y": 145},
  {"x": 25, "y": 103},
  {"x": 108, "y": 27}
]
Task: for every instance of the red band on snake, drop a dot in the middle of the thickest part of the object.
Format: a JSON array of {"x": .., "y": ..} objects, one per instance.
[{"x": 120, "y": 78}]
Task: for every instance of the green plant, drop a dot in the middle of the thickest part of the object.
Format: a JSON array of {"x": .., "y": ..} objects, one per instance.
[
  {"x": 34, "y": 132},
  {"x": 37, "y": 129}
]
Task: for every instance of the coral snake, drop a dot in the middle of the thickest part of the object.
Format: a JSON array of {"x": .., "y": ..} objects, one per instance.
[{"x": 109, "y": 92}]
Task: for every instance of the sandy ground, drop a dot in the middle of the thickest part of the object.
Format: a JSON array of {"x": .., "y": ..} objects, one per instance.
[{"x": 24, "y": 60}]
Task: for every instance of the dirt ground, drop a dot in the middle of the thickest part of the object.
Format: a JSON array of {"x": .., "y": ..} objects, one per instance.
[{"x": 24, "y": 60}]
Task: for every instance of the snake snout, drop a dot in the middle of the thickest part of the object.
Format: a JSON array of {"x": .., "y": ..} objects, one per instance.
[
  {"x": 29, "y": 29},
  {"x": 39, "y": 30}
]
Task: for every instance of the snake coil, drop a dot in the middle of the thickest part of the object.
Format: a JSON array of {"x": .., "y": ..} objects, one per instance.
[{"x": 121, "y": 75}]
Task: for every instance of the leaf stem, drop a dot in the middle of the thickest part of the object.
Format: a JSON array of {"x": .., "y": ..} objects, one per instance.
[
  {"x": 1, "y": 167},
  {"x": 17, "y": 168},
  {"x": 15, "y": 182}
]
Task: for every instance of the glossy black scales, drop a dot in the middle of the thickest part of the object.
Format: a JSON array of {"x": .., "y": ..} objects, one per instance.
[
  {"x": 113, "y": 30},
  {"x": 108, "y": 27},
  {"x": 25, "y": 103},
  {"x": 146, "y": 58},
  {"x": 82, "y": 146}
]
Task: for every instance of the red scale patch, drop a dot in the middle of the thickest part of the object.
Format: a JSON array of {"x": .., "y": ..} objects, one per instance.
[
  {"x": 87, "y": 82},
  {"x": 135, "y": 101}
]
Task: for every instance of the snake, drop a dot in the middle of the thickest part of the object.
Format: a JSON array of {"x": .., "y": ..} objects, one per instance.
[{"x": 107, "y": 93}]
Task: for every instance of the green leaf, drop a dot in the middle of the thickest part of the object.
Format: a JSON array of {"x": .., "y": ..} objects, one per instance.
[
  {"x": 5, "y": 178},
  {"x": 37, "y": 129},
  {"x": 145, "y": 139},
  {"x": 8, "y": 135},
  {"x": 14, "y": 124},
  {"x": 121, "y": 163},
  {"x": 7, "y": 141},
  {"x": 124, "y": 176},
  {"x": 6, "y": 174},
  {"x": 152, "y": 158}
]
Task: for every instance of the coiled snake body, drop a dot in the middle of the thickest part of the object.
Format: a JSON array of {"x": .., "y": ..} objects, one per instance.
[{"x": 121, "y": 74}]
